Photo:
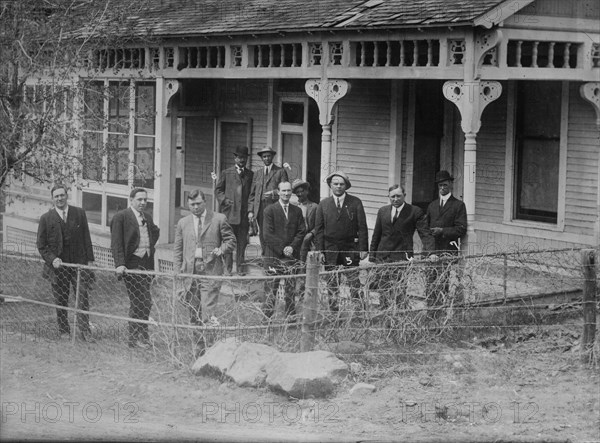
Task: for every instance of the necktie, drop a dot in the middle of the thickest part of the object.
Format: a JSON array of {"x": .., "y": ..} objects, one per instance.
[
  {"x": 285, "y": 210},
  {"x": 64, "y": 215},
  {"x": 441, "y": 203},
  {"x": 199, "y": 231},
  {"x": 339, "y": 205},
  {"x": 396, "y": 214}
]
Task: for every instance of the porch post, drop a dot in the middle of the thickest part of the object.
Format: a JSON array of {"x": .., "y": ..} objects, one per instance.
[
  {"x": 591, "y": 92},
  {"x": 326, "y": 93},
  {"x": 164, "y": 161},
  {"x": 471, "y": 98}
]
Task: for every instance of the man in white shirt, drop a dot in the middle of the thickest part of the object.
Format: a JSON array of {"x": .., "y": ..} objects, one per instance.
[{"x": 133, "y": 236}]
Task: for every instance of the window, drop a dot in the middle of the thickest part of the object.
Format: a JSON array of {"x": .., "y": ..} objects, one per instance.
[
  {"x": 293, "y": 135},
  {"x": 537, "y": 151},
  {"x": 118, "y": 144}
]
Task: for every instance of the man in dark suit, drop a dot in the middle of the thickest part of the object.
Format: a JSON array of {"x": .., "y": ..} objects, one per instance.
[
  {"x": 447, "y": 219},
  {"x": 392, "y": 242},
  {"x": 341, "y": 234},
  {"x": 284, "y": 231},
  {"x": 232, "y": 192},
  {"x": 64, "y": 237},
  {"x": 263, "y": 191},
  {"x": 133, "y": 237}
]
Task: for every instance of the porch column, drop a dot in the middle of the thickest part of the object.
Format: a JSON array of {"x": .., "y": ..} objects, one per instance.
[
  {"x": 471, "y": 98},
  {"x": 591, "y": 92},
  {"x": 326, "y": 93},
  {"x": 165, "y": 160}
]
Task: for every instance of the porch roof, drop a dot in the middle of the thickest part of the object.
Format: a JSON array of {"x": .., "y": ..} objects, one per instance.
[{"x": 219, "y": 17}]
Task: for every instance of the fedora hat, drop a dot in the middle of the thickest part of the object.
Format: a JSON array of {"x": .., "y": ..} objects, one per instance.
[
  {"x": 241, "y": 151},
  {"x": 266, "y": 150},
  {"x": 339, "y": 174},
  {"x": 299, "y": 182},
  {"x": 443, "y": 176}
]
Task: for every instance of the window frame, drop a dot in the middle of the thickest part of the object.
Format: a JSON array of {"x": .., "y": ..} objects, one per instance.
[{"x": 510, "y": 184}]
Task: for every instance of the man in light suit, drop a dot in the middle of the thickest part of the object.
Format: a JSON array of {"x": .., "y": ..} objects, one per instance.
[
  {"x": 201, "y": 240},
  {"x": 392, "y": 242},
  {"x": 447, "y": 219},
  {"x": 232, "y": 192},
  {"x": 263, "y": 191},
  {"x": 64, "y": 237},
  {"x": 284, "y": 231},
  {"x": 341, "y": 234},
  {"x": 133, "y": 237}
]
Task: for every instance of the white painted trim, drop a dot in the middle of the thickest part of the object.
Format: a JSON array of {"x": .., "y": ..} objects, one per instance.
[
  {"x": 509, "y": 153},
  {"x": 394, "y": 160},
  {"x": 410, "y": 140},
  {"x": 500, "y": 13},
  {"x": 542, "y": 22},
  {"x": 562, "y": 156},
  {"x": 534, "y": 231},
  {"x": 293, "y": 129},
  {"x": 271, "y": 95}
]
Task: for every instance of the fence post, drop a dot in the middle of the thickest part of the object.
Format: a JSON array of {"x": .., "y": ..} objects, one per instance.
[
  {"x": 309, "y": 307},
  {"x": 504, "y": 275},
  {"x": 77, "y": 291},
  {"x": 588, "y": 305}
]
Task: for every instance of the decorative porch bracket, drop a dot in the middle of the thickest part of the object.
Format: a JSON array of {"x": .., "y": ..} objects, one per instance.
[
  {"x": 171, "y": 88},
  {"x": 483, "y": 44},
  {"x": 326, "y": 93},
  {"x": 591, "y": 92},
  {"x": 471, "y": 98}
]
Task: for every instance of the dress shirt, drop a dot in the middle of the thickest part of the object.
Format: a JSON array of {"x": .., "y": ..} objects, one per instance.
[
  {"x": 61, "y": 211},
  {"x": 398, "y": 209},
  {"x": 341, "y": 199},
  {"x": 202, "y": 217},
  {"x": 144, "y": 246},
  {"x": 444, "y": 198}
]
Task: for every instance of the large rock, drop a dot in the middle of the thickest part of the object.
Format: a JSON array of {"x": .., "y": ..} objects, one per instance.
[
  {"x": 307, "y": 374},
  {"x": 218, "y": 358},
  {"x": 249, "y": 365}
]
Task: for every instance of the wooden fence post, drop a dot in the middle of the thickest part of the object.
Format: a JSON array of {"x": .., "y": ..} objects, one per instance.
[
  {"x": 588, "y": 305},
  {"x": 311, "y": 299},
  {"x": 77, "y": 294}
]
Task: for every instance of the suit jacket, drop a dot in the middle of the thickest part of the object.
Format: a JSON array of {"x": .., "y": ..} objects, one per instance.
[
  {"x": 50, "y": 242},
  {"x": 346, "y": 231},
  {"x": 279, "y": 232},
  {"x": 262, "y": 184},
  {"x": 125, "y": 235},
  {"x": 452, "y": 218},
  {"x": 393, "y": 242},
  {"x": 216, "y": 233},
  {"x": 232, "y": 193}
]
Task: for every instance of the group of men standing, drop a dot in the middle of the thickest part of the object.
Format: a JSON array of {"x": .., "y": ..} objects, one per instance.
[{"x": 205, "y": 242}]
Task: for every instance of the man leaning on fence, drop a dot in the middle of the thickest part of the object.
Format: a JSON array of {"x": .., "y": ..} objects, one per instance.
[
  {"x": 284, "y": 231},
  {"x": 133, "y": 236},
  {"x": 392, "y": 242},
  {"x": 447, "y": 219},
  {"x": 341, "y": 235},
  {"x": 64, "y": 237},
  {"x": 201, "y": 241}
]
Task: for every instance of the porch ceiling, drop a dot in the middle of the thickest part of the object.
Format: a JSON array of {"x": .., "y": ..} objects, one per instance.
[{"x": 218, "y": 17}]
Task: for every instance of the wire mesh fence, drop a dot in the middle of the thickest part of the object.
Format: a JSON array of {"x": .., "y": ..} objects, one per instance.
[{"x": 389, "y": 309}]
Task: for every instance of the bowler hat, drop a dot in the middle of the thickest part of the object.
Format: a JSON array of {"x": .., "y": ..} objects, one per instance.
[
  {"x": 339, "y": 174},
  {"x": 266, "y": 150},
  {"x": 299, "y": 182},
  {"x": 241, "y": 151},
  {"x": 443, "y": 176}
]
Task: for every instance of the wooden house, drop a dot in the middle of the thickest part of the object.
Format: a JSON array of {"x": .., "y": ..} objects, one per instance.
[{"x": 503, "y": 94}]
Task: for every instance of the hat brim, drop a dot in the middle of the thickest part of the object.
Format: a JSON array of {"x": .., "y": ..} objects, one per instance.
[
  {"x": 348, "y": 184},
  {"x": 299, "y": 185},
  {"x": 260, "y": 153}
]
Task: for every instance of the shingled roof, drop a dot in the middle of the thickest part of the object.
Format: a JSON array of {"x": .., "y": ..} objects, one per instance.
[{"x": 218, "y": 17}]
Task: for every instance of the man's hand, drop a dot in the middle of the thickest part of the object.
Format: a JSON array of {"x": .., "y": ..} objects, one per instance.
[
  {"x": 217, "y": 252},
  {"x": 57, "y": 263},
  {"x": 436, "y": 232},
  {"x": 288, "y": 251},
  {"x": 363, "y": 255},
  {"x": 121, "y": 270},
  {"x": 250, "y": 216}
]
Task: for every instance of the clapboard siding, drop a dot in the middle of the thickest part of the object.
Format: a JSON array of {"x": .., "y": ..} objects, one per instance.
[
  {"x": 581, "y": 193},
  {"x": 491, "y": 146},
  {"x": 363, "y": 141}
]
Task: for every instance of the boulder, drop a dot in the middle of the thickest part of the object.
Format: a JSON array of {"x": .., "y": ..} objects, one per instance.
[
  {"x": 218, "y": 358},
  {"x": 360, "y": 389},
  {"x": 249, "y": 365},
  {"x": 307, "y": 374}
]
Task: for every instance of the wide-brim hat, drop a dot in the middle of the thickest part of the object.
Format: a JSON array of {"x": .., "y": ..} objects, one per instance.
[
  {"x": 266, "y": 150},
  {"x": 241, "y": 151},
  {"x": 443, "y": 176},
  {"x": 339, "y": 174},
  {"x": 299, "y": 182}
]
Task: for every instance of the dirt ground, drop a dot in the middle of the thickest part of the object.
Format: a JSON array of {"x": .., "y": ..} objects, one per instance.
[{"x": 533, "y": 390}]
